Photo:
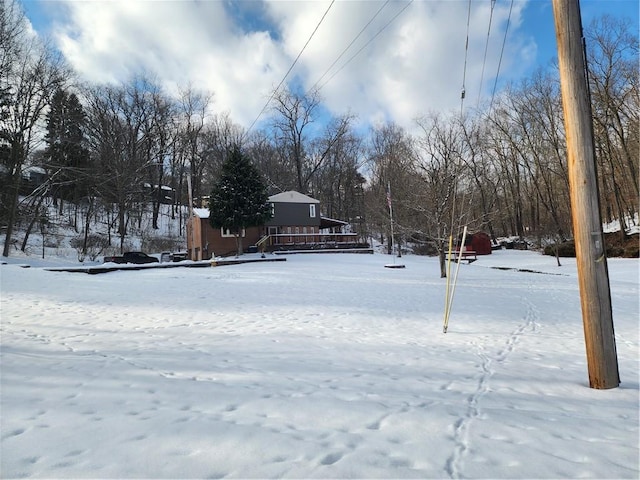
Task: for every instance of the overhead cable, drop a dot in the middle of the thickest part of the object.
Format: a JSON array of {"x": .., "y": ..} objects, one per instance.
[
  {"x": 495, "y": 84},
  {"x": 366, "y": 44},
  {"x": 486, "y": 47},
  {"x": 352, "y": 42},
  {"x": 464, "y": 69},
  {"x": 291, "y": 67}
]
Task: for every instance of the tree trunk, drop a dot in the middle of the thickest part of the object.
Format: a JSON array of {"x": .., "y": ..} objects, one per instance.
[
  {"x": 12, "y": 213},
  {"x": 239, "y": 244},
  {"x": 122, "y": 227},
  {"x": 443, "y": 263},
  {"x": 31, "y": 223},
  {"x": 86, "y": 227},
  {"x": 29, "y": 228}
]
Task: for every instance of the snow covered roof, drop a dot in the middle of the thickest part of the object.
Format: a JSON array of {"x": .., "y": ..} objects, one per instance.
[
  {"x": 292, "y": 197},
  {"x": 162, "y": 187},
  {"x": 34, "y": 169},
  {"x": 201, "y": 212}
]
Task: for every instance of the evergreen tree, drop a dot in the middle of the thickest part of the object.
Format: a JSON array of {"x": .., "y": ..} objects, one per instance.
[
  {"x": 67, "y": 157},
  {"x": 5, "y": 149},
  {"x": 5, "y": 103},
  {"x": 239, "y": 199}
]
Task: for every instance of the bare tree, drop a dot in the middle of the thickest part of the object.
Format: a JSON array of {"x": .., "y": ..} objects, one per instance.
[
  {"x": 270, "y": 159},
  {"x": 217, "y": 139},
  {"x": 121, "y": 127},
  {"x": 390, "y": 161},
  {"x": 29, "y": 74},
  {"x": 439, "y": 183},
  {"x": 537, "y": 136},
  {"x": 613, "y": 73},
  {"x": 503, "y": 143},
  {"x": 293, "y": 116},
  {"x": 159, "y": 136},
  {"x": 480, "y": 166},
  {"x": 337, "y": 182},
  {"x": 193, "y": 113}
]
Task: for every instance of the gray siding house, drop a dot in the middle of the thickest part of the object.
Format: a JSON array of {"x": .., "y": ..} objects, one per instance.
[{"x": 293, "y": 213}]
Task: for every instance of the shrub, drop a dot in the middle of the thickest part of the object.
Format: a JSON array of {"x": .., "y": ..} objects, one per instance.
[
  {"x": 616, "y": 247},
  {"x": 632, "y": 251},
  {"x": 615, "y": 251},
  {"x": 565, "y": 249},
  {"x": 424, "y": 249},
  {"x": 161, "y": 244},
  {"x": 96, "y": 244}
]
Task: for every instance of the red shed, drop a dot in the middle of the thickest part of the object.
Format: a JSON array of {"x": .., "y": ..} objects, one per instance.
[{"x": 479, "y": 242}]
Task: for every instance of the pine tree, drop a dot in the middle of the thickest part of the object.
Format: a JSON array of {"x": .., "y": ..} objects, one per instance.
[
  {"x": 239, "y": 199},
  {"x": 67, "y": 158}
]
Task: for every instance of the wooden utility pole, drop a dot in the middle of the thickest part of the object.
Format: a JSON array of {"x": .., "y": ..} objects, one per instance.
[{"x": 593, "y": 276}]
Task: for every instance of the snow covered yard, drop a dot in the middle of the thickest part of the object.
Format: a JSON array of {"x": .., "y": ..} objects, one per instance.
[{"x": 323, "y": 366}]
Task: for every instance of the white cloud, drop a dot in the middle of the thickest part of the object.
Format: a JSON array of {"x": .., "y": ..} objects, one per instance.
[{"x": 415, "y": 65}]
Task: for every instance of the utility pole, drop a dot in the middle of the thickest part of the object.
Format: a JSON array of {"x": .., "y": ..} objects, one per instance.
[
  {"x": 593, "y": 276},
  {"x": 192, "y": 220}
]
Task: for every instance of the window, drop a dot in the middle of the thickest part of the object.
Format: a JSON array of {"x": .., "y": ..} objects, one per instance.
[
  {"x": 225, "y": 233},
  {"x": 312, "y": 211}
]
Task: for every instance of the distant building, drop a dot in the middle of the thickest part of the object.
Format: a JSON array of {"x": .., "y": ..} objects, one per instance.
[
  {"x": 32, "y": 178},
  {"x": 167, "y": 193},
  {"x": 478, "y": 242},
  {"x": 296, "y": 224}
]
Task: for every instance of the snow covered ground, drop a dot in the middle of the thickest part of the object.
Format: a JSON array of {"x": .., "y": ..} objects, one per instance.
[{"x": 323, "y": 366}]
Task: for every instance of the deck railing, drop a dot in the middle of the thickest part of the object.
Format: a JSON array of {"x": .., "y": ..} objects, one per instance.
[{"x": 306, "y": 240}]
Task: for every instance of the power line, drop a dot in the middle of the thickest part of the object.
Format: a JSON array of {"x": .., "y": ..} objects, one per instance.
[
  {"x": 486, "y": 47},
  {"x": 464, "y": 70},
  {"x": 352, "y": 42},
  {"x": 291, "y": 67},
  {"x": 366, "y": 44},
  {"x": 504, "y": 40}
]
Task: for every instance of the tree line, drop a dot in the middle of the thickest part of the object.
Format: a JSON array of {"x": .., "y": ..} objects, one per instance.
[{"x": 116, "y": 151}]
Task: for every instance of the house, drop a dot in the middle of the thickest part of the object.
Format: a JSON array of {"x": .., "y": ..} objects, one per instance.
[
  {"x": 32, "y": 178},
  {"x": 167, "y": 194},
  {"x": 296, "y": 224}
]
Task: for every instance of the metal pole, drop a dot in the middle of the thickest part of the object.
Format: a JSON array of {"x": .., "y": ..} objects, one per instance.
[
  {"x": 455, "y": 281},
  {"x": 191, "y": 219},
  {"x": 390, "y": 216},
  {"x": 593, "y": 276}
]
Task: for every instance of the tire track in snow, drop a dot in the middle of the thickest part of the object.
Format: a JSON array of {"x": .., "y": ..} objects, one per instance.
[{"x": 455, "y": 462}]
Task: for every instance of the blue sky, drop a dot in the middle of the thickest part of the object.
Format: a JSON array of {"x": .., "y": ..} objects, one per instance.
[{"x": 411, "y": 60}]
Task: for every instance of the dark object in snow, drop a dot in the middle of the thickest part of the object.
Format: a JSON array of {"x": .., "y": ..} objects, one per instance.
[
  {"x": 138, "y": 258},
  {"x": 468, "y": 256}
]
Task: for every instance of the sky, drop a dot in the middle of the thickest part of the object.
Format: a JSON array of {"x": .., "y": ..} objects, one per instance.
[
  {"x": 378, "y": 60},
  {"x": 319, "y": 366}
]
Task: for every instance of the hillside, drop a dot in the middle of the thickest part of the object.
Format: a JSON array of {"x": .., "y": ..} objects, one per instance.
[{"x": 55, "y": 234}]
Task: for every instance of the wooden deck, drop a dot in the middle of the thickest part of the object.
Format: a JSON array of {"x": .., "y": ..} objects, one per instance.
[{"x": 311, "y": 243}]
